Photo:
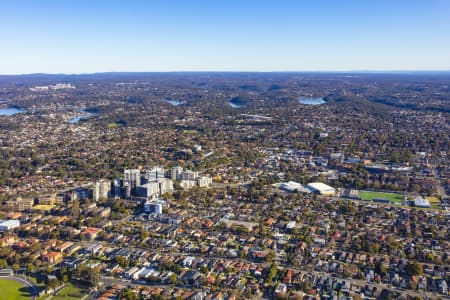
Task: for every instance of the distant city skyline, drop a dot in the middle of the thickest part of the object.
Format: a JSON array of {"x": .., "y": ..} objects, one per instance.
[{"x": 75, "y": 37}]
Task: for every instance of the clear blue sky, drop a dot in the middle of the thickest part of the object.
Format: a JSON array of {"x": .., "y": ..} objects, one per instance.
[{"x": 83, "y": 36}]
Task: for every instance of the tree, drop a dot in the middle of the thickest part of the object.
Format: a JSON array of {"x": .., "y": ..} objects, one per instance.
[
  {"x": 75, "y": 209},
  {"x": 53, "y": 283},
  {"x": 272, "y": 273},
  {"x": 15, "y": 267},
  {"x": 305, "y": 286},
  {"x": 30, "y": 268},
  {"x": 386, "y": 295},
  {"x": 380, "y": 268},
  {"x": 204, "y": 269},
  {"x": 122, "y": 261},
  {"x": 173, "y": 279},
  {"x": 127, "y": 294},
  {"x": 414, "y": 268},
  {"x": 3, "y": 263},
  {"x": 87, "y": 275},
  {"x": 270, "y": 256},
  {"x": 63, "y": 274},
  {"x": 93, "y": 276}
]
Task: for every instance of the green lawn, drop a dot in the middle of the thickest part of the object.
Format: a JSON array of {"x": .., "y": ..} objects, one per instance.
[
  {"x": 70, "y": 292},
  {"x": 393, "y": 198},
  {"x": 13, "y": 290}
]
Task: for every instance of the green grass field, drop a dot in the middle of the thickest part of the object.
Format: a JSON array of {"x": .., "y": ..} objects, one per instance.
[
  {"x": 13, "y": 290},
  {"x": 393, "y": 198},
  {"x": 70, "y": 292}
]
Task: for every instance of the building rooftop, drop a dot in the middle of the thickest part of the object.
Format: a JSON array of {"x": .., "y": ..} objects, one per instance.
[
  {"x": 319, "y": 186},
  {"x": 421, "y": 202}
]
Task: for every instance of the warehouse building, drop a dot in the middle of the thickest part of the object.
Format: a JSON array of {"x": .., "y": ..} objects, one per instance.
[
  {"x": 9, "y": 225},
  {"x": 421, "y": 202},
  {"x": 321, "y": 188},
  {"x": 292, "y": 186}
]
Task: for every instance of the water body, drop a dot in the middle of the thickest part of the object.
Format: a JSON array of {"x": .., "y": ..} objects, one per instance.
[
  {"x": 83, "y": 116},
  {"x": 174, "y": 102},
  {"x": 76, "y": 119},
  {"x": 237, "y": 102},
  {"x": 234, "y": 105},
  {"x": 312, "y": 101},
  {"x": 10, "y": 111}
]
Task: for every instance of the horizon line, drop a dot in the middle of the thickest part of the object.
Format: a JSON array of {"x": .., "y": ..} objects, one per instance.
[{"x": 365, "y": 71}]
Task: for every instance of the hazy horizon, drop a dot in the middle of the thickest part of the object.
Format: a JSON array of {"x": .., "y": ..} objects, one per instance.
[{"x": 249, "y": 71}]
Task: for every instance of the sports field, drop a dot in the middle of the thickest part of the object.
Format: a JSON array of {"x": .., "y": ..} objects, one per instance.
[
  {"x": 70, "y": 292},
  {"x": 369, "y": 195},
  {"x": 13, "y": 290}
]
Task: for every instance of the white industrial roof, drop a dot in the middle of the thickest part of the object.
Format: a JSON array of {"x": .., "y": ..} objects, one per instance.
[
  {"x": 421, "y": 202},
  {"x": 319, "y": 186},
  {"x": 292, "y": 186}
]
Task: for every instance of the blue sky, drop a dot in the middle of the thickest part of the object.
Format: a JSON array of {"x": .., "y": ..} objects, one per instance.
[{"x": 86, "y": 36}]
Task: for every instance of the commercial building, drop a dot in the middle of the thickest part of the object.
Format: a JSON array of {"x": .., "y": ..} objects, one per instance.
[
  {"x": 47, "y": 200},
  {"x": 350, "y": 193},
  {"x": 9, "y": 225},
  {"x": 204, "y": 181},
  {"x": 52, "y": 257},
  {"x": 81, "y": 194},
  {"x": 24, "y": 203},
  {"x": 59, "y": 199},
  {"x": 292, "y": 186},
  {"x": 321, "y": 188},
  {"x": 155, "y": 206},
  {"x": 421, "y": 202},
  {"x": 90, "y": 233}
]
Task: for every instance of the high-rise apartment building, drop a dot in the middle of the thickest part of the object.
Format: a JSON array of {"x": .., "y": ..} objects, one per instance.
[
  {"x": 155, "y": 173},
  {"x": 132, "y": 177},
  {"x": 175, "y": 173},
  {"x": 102, "y": 189}
]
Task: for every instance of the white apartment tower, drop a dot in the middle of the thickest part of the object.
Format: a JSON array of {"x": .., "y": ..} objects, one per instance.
[
  {"x": 133, "y": 177},
  {"x": 175, "y": 173},
  {"x": 155, "y": 173},
  {"x": 102, "y": 189}
]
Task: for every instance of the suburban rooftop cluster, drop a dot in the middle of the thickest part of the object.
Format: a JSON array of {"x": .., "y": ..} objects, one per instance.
[{"x": 227, "y": 186}]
